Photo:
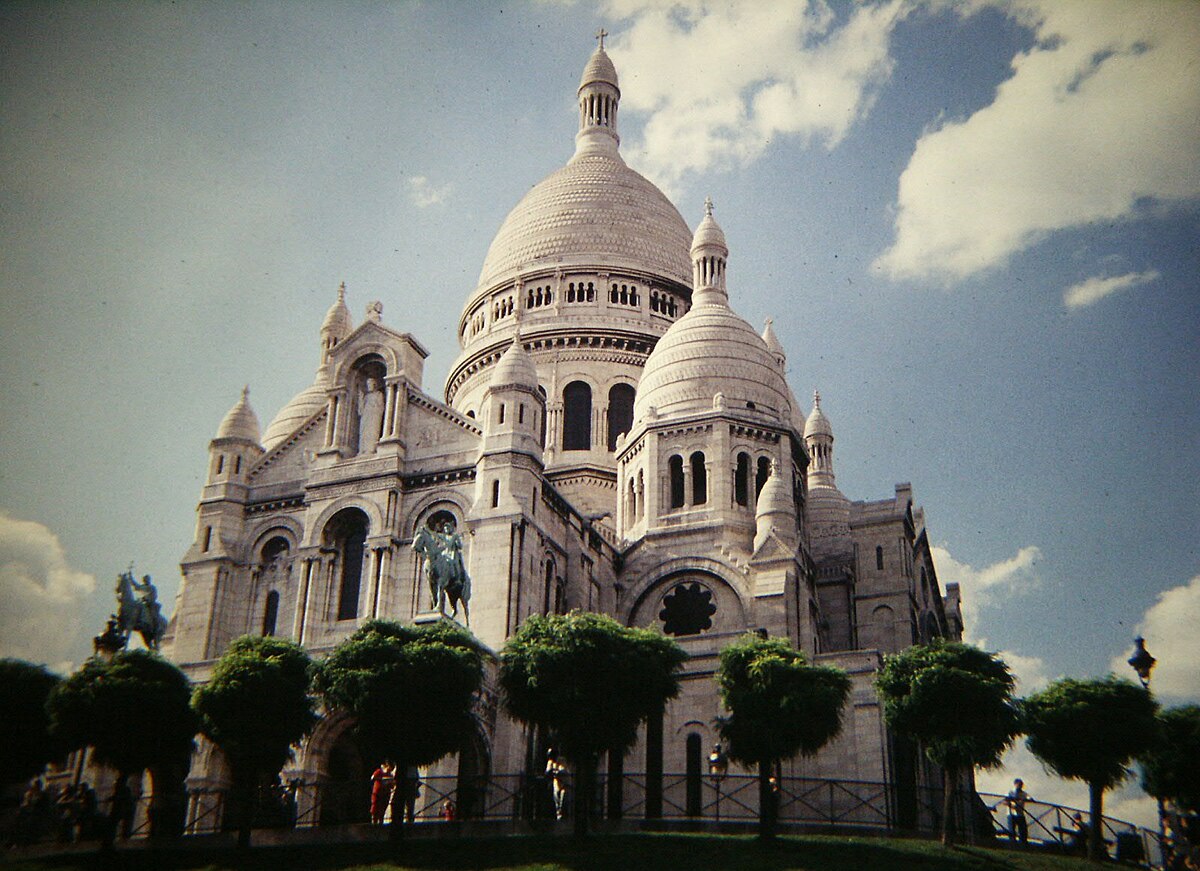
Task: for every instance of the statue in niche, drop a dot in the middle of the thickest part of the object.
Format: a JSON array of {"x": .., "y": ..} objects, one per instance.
[{"x": 370, "y": 417}]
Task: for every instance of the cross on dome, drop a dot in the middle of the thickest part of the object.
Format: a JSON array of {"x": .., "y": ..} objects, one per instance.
[
  {"x": 708, "y": 204},
  {"x": 816, "y": 398},
  {"x": 342, "y": 292},
  {"x": 600, "y": 34}
]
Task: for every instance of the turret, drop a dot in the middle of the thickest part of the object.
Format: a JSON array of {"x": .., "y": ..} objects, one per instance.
[
  {"x": 709, "y": 256},
  {"x": 776, "y": 511},
  {"x": 513, "y": 416},
  {"x": 818, "y": 438},
  {"x": 237, "y": 443},
  {"x": 598, "y": 97},
  {"x": 337, "y": 324}
]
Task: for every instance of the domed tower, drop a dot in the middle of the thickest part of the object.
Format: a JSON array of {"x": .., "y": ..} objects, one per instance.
[
  {"x": 714, "y": 398},
  {"x": 236, "y": 445},
  {"x": 510, "y": 461},
  {"x": 591, "y": 267},
  {"x": 827, "y": 510},
  {"x": 337, "y": 325}
]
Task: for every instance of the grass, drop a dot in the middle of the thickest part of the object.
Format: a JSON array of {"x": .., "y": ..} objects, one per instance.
[{"x": 624, "y": 852}]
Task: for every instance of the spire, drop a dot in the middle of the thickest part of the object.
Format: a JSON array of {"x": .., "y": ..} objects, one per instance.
[
  {"x": 337, "y": 324},
  {"x": 709, "y": 254},
  {"x": 818, "y": 438},
  {"x": 240, "y": 422},
  {"x": 599, "y": 95}
]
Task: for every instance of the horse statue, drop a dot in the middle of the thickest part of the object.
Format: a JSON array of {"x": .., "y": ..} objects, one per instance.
[
  {"x": 138, "y": 610},
  {"x": 444, "y": 569}
]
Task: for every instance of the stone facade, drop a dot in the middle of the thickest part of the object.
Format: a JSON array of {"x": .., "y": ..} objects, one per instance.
[{"x": 614, "y": 438}]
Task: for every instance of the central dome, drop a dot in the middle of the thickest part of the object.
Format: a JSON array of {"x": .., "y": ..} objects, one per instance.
[{"x": 596, "y": 212}]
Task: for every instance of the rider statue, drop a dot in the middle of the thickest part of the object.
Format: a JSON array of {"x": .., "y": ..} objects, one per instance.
[
  {"x": 445, "y": 570},
  {"x": 138, "y": 609}
]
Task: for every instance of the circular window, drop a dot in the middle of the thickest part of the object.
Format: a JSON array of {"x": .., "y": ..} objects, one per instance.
[{"x": 687, "y": 609}]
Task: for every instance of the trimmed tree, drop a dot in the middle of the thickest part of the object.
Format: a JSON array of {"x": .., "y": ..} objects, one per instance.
[
  {"x": 1171, "y": 768},
  {"x": 135, "y": 713},
  {"x": 588, "y": 682},
  {"x": 779, "y": 706},
  {"x": 25, "y": 741},
  {"x": 957, "y": 702},
  {"x": 1091, "y": 730},
  {"x": 255, "y": 707},
  {"x": 410, "y": 690}
]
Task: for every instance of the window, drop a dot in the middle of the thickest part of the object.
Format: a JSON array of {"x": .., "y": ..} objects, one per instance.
[
  {"x": 620, "y": 412},
  {"x": 675, "y": 473},
  {"x": 879, "y": 557},
  {"x": 496, "y": 493},
  {"x": 207, "y": 539},
  {"x": 347, "y": 534},
  {"x": 577, "y": 417},
  {"x": 741, "y": 480},
  {"x": 220, "y": 463},
  {"x": 271, "y": 613},
  {"x": 699, "y": 480},
  {"x": 764, "y": 472},
  {"x": 500, "y": 413},
  {"x": 687, "y": 609}
]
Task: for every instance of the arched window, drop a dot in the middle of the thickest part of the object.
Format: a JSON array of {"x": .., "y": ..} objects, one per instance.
[
  {"x": 550, "y": 590},
  {"x": 620, "y": 412},
  {"x": 764, "y": 472},
  {"x": 496, "y": 493},
  {"x": 879, "y": 558},
  {"x": 699, "y": 480},
  {"x": 270, "y": 613},
  {"x": 542, "y": 391},
  {"x": 693, "y": 775},
  {"x": 675, "y": 472},
  {"x": 577, "y": 417},
  {"x": 741, "y": 480},
  {"x": 346, "y": 533}
]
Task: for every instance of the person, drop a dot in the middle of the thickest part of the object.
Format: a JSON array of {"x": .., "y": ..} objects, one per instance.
[
  {"x": 1077, "y": 835},
  {"x": 120, "y": 816},
  {"x": 383, "y": 781},
  {"x": 449, "y": 811},
  {"x": 1018, "y": 826},
  {"x": 412, "y": 791},
  {"x": 556, "y": 772}
]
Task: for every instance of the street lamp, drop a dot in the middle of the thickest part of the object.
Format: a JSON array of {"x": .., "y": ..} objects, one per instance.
[
  {"x": 1142, "y": 661},
  {"x": 718, "y": 764}
]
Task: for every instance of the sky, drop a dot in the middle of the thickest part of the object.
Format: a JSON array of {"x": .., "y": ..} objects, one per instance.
[{"x": 976, "y": 226}]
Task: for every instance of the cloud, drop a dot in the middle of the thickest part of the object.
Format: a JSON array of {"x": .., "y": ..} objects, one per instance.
[
  {"x": 423, "y": 194},
  {"x": 1097, "y": 120},
  {"x": 40, "y": 592},
  {"x": 1087, "y": 292},
  {"x": 1170, "y": 629},
  {"x": 719, "y": 81},
  {"x": 984, "y": 587}
]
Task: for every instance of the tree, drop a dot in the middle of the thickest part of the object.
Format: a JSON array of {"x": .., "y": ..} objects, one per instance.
[
  {"x": 255, "y": 707},
  {"x": 957, "y": 701},
  {"x": 588, "y": 682},
  {"x": 409, "y": 688},
  {"x": 779, "y": 706},
  {"x": 1091, "y": 730},
  {"x": 134, "y": 712},
  {"x": 1171, "y": 768},
  {"x": 25, "y": 741}
]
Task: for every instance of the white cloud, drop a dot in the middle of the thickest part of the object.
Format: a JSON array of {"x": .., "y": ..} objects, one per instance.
[
  {"x": 1098, "y": 118},
  {"x": 983, "y": 587},
  {"x": 40, "y": 594},
  {"x": 1087, "y": 292},
  {"x": 1171, "y": 627},
  {"x": 720, "y": 80},
  {"x": 424, "y": 193}
]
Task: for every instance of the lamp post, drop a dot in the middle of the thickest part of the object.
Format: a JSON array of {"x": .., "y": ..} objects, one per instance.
[
  {"x": 718, "y": 764},
  {"x": 1143, "y": 663}
]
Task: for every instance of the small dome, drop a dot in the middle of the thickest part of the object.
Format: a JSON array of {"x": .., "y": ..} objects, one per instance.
[
  {"x": 776, "y": 509},
  {"x": 515, "y": 368},
  {"x": 599, "y": 69},
  {"x": 709, "y": 234},
  {"x": 337, "y": 319},
  {"x": 817, "y": 423},
  {"x": 240, "y": 422},
  {"x": 302, "y": 406}
]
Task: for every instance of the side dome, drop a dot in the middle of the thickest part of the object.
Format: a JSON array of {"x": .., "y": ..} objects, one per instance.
[
  {"x": 711, "y": 350},
  {"x": 594, "y": 212},
  {"x": 300, "y": 408},
  {"x": 515, "y": 368},
  {"x": 240, "y": 422}
]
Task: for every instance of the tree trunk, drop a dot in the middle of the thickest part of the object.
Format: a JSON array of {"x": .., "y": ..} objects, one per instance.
[
  {"x": 585, "y": 771},
  {"x": 767, "y": 801},
  {"x": 949, "y": 788},
  {"x": 1096, "y": 851},
  {"x": 243, "y": 801}
]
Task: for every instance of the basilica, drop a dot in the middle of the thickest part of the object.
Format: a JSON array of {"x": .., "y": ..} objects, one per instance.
[{"x": 613, "y": 437}]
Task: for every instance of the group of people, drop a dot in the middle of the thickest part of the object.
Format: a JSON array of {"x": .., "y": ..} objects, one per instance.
[
  {"x": 384, "y": 786},
  {"x": 69, "y": 815}
]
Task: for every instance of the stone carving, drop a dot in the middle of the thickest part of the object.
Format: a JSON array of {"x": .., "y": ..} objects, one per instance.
[{"x": 370, "y": 417}]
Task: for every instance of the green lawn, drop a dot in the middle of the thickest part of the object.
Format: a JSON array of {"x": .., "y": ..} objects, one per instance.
[{"x": 626, "y": 852}]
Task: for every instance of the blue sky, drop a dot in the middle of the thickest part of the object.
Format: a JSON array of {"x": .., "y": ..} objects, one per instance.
[{"x": 975, "y": 225}]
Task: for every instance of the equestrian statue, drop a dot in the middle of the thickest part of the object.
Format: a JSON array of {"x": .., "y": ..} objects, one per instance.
[{"x": 444, "y": 570}]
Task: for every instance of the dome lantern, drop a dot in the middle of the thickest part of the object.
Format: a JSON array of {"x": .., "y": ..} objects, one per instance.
[
  {"x": 599, "y": 96},
  {"x": 709, "y": 255}
]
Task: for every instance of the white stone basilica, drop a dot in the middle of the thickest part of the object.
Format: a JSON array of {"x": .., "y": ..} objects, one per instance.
[{"x": 613, "y": 437}]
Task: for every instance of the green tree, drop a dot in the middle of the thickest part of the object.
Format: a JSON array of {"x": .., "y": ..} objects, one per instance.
[
  {"x": 255, "y": 707},
  {"x": 134, "y": 712},
  {"x": 588, "y": 682},
  {"x": 25, "y": 741},
  {"x": 779, "y": 706},
  {"x": 409, "y": 688},
  {"x": 957, "y": 702},
  {"x": 1171, "y": 768},
  {"x": 1091, "y": 730}
]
